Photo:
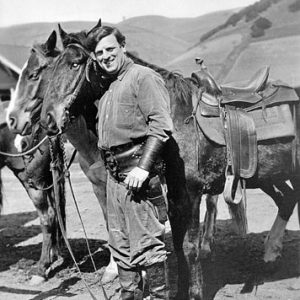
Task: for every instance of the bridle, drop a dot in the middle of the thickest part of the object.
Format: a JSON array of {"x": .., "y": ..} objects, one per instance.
[{"x": 84, "y": 76}]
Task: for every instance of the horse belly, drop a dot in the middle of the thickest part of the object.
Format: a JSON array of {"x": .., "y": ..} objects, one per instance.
[{"x": 275, "y": 161}]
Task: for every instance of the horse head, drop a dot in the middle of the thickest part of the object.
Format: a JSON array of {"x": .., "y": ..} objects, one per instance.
[
  {"x": 70, "y": 91},
  {"x": 25, "y": 106}
]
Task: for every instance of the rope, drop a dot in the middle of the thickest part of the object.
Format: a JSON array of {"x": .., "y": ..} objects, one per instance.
[
  {"x": 64, "y": 173},
  {"x": 56, "y": 193},
  {"x": 26, "y": 152}
]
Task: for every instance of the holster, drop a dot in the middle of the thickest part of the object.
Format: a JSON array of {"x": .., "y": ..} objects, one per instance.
[{"x": 120, "y": 160}]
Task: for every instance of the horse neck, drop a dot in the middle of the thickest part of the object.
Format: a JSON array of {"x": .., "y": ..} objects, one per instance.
[
  {"x": 142, "y": 62},
  {"x": 85, "y": 142}
]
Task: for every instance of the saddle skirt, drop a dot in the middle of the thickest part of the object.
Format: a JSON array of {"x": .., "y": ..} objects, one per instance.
[{"x": 272, "y": 122}]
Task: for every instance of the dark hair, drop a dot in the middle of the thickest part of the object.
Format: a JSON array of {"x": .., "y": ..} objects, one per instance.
[{"x": 103, "y": 31}]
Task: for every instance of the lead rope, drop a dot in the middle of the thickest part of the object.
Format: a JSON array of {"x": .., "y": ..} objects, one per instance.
[
  {"x": 54, "y": 171},
  {"x": 26, "y": 152}
]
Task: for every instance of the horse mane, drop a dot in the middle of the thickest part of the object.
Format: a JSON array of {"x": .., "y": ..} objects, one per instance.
[{"x": 180, "y": 87}]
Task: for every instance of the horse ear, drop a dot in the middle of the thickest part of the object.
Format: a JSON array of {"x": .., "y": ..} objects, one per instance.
[
  {"x": 63, "y": 35},
  {"x": 51, "y": 42},
  {"x": 99, "y": 24}
]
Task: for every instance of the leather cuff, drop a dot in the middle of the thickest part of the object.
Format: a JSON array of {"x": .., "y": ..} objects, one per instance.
[{"x": 152, "y": 150}]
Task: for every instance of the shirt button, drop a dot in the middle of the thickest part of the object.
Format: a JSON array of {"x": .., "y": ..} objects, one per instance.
[{"x": 106, "y": 116}]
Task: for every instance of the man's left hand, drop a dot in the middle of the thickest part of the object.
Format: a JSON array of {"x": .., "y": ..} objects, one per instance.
[{"x": 136, "y": 178}]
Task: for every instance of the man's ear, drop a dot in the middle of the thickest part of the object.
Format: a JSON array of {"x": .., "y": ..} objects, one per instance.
[{"x": 124, "y": 49}]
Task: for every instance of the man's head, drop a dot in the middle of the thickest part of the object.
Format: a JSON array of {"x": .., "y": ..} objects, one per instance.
[{"x": 110, "y": 49}]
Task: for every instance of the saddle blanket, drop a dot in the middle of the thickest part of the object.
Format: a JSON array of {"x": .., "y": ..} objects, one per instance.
[{"x": 270, "y": 122}]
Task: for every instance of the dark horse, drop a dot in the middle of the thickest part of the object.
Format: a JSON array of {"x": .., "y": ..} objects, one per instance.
[
  {"x": 33, "y": 171},
  {"x": 24, "y": 113},
  {"x": 77, "y": 82},
  {"x": 82, "y": 91}
]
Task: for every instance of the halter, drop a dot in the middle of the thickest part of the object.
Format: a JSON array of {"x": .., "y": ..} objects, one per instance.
[{"x": 84, "y": 75}]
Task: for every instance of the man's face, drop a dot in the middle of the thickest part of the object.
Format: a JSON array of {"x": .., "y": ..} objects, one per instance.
[{"x": 110, "y": 54}]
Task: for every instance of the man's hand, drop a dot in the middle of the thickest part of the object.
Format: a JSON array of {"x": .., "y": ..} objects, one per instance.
[{"x": 136, "y": 178}]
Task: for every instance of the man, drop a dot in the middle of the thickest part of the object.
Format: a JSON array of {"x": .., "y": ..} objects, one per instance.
[{"x": 134, "y": 124}]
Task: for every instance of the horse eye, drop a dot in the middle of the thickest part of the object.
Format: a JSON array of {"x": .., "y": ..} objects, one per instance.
[
  {"x": 75, "y": 66},
  {"x": 34, "y": 76}
]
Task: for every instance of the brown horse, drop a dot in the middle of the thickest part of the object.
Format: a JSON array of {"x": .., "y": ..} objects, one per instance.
[
  {"x": 82, "y": 88},
  {"x": 33, "y": 172},
  {"x": 76, "y": 79},
  {"x": 24, "y": 112}
]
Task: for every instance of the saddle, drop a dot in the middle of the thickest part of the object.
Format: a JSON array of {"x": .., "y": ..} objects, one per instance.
[{"x": 239, "y": 115}]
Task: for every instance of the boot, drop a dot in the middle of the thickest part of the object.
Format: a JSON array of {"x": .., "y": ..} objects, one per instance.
[
  {"x": 157, "y": 281},
  {"x": 131, "y": 284}
]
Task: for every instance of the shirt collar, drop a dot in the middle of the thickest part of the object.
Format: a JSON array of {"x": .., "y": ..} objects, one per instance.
[{"x": 128, "y": 62}]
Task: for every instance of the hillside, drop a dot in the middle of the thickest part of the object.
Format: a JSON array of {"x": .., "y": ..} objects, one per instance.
[
  {"x": 155, "y": 38},
  {"x": 233, "y": 54}
]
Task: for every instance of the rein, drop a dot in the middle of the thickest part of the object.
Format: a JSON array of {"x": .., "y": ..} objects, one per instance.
[
  {"x": 56, "y": 179},
  {"x": 25, "y": 152}
]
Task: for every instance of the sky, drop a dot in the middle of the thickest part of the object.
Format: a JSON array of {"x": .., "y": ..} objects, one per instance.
[{"x": 113, "y": 11}]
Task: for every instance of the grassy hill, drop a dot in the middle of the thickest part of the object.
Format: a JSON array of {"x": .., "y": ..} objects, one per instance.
[
  {"x": 232, "y": 53},
  {"x": 155, "y": 38}
]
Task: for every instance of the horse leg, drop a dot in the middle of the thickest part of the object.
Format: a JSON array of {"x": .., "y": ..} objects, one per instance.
[
  {"x": 49, "y": 226},
  {"x": 286, "y": 200},
  {"x": 96, "y": 174},
  {"x": 196, "y": 280},
  {"x": 179, "y": 216},
  {"x": 209, "y": 225}
]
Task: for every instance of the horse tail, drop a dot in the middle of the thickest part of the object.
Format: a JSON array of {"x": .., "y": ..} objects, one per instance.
[
  {"x": 239, "y": 216},
  {"x": 1, "y": 195}
]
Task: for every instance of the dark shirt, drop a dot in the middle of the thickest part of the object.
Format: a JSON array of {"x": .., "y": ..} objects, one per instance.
[{"x": 136, "y": 105}]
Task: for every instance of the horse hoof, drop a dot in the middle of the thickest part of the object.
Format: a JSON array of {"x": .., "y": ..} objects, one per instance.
[
  {"x": 109, "y": 276},
  {"x": 271, "y": 267},
  {"x": 205, "y": 251},
  {"x": 36, "y": 280}
]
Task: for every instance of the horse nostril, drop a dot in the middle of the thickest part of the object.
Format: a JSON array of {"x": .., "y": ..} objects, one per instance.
[
  {"x": 12, "y": 122},
  {"x": 51, "y": 123},
  {"x": 49, "y": 119},
  {"x": 24, "y": 145}
]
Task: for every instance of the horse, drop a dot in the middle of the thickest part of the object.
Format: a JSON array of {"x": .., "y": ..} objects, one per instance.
[
  {"x": 33, "y": 172},
  {"x": 78, "y": 83},
  {"x": 24, "y": 112},
  {"x": 76, "y": 75}
]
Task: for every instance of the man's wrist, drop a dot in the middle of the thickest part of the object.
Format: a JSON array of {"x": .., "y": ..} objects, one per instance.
[{"x": 152, "y": 150}]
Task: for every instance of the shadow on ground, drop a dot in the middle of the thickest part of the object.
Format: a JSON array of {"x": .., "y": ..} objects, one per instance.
[{"x": 235, "y": 260}]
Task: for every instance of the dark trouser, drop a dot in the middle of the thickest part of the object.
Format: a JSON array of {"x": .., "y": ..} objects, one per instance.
[{"x": 136, "y": 226}]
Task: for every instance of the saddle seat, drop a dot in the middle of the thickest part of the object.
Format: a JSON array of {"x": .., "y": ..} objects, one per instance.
[{"x": 252, "y": 86}]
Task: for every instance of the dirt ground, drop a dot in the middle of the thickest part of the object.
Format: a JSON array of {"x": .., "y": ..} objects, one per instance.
[{"x": 235, "y": 271}]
